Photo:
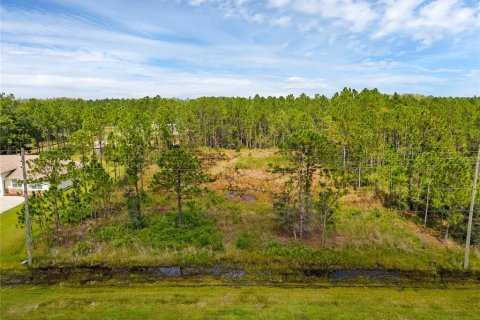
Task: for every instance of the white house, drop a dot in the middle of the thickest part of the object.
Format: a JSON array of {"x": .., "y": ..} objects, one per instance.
[{"x": 11, "y": 176}]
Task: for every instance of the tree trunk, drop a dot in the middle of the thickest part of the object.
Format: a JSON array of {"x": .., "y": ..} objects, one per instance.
[
  {"x": 426, "y": 207},
  {"x": 101, "y": 149},
  {"x": 390, "y": 187},
  {"x": 300, "y": 197},
  {"x": 137, "y": 193},
  {"x": 179, "y": 199},
  {"x": 359, "y": 173},
  {"x": 324, "y": 224}
]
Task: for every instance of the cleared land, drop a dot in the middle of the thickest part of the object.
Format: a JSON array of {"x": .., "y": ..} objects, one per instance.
[{"x": 238, "y": 228}]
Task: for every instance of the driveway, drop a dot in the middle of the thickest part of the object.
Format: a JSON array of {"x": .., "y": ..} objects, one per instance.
[{"x": 9, "y": 202}]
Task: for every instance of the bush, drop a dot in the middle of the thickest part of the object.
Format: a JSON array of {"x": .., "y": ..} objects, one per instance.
[
  {"x": 195, "y": 231},
  {"x": 245, "y": 241},
  {"x": 109, "y": 233},
  {"x": 162, "y": 232}
]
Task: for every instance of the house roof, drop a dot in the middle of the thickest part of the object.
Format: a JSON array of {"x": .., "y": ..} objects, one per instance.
[
  {"x": 12, "y": 165},
  {"x": 9, "y": 163}
]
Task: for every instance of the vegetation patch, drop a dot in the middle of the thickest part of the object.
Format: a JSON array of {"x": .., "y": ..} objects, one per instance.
[
  {"x": 162, "y": 232},
  {"x": 261, "y": 161}
]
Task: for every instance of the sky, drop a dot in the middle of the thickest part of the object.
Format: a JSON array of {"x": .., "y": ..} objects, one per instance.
[{"x": 189, "y": 48}]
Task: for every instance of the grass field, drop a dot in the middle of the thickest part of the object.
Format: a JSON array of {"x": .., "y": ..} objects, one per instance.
[
  {"x": 167, "y": 302},
  {"x": 12, "y": 239}
]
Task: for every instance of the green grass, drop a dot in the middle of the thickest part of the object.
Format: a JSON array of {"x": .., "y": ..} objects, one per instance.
[
  {"x": 261, "y": 162},
  {"x": 162, "y": 232},
  {"x": 12, "y": 239},
  {"x": 167, "y": 302}
]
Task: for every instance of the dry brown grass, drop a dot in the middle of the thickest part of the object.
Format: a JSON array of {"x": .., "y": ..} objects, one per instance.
[
  {"x": 244, "y": 183},
  {"x": 360, "y": 200}
]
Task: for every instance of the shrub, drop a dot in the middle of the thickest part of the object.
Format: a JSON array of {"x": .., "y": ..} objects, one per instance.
[
  {"x": 108, "y": 233},
  {"x": 195, "y": 230},
  {"x": 245, "y": 241}
]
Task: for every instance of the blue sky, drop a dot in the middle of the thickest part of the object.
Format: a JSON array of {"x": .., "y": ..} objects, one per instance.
[{"x": 191, "y": 48}]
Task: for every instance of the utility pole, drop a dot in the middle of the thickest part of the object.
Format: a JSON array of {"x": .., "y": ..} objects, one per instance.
[
  {"x": 470, "y": 214},
  {"x": 27, "y": 213}
]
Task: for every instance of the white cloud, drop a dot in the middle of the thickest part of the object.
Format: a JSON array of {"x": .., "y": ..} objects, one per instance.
[
  {"x": 283, "y": 21},
  {"x": 257, "y": 17},
  {"x": 196, "y": 2},
  {"x": 356, "y": 15},
  {"x": 427, "y": 22},
  {"x": 241, "y": 2},
  {"x": 278, "y": 3}
]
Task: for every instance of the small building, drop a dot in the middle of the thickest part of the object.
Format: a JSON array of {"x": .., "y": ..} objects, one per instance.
[{"x": 11, "y": 177}]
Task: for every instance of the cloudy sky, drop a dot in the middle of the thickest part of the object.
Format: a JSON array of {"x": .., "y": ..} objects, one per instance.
[{"x": 175, "y": 48}]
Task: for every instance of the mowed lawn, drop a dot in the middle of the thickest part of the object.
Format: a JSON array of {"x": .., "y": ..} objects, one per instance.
[
  {"x": 12, "y": 239},
  {"x": 167, "y": 302}
]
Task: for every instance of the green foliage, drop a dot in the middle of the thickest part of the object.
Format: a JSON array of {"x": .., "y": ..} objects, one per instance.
[
  {"x": 39, "y": 208},
  {"x": 99, "y": 185},
  {"x": 195, "y": 231},
  {"x": 308, "y": 149},
  {"x": 110, "y": 233},
  {"x": 90, "y": 192},
  {"x": 181, "y": 172},
  {"x": 306, "y": 144},
  {"x": 245, "y": 241},
  {"x": 16, "y": 129},
  {"x": 408, "y": 150},
  {"x": 162, "y": 232},
  {"x": 133, "y": 201},
  {"x": 51, "y": 166},
  {"x": 286, "y": 212},
  {"x": 333, "y": 186},
  {"x": 132, "y": 149}
]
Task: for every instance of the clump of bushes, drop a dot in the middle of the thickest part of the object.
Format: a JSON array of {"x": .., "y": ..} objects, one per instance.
[{"x": 162, "y": 231}]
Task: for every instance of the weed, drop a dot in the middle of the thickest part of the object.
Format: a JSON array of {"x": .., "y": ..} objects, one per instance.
[{"x": 82, "y": 249}]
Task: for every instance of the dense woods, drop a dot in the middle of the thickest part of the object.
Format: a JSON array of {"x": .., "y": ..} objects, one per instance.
[{"x": 416, "y": 153}]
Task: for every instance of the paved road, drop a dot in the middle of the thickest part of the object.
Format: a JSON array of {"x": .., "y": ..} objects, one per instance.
[{"x": 9, "y": 202}]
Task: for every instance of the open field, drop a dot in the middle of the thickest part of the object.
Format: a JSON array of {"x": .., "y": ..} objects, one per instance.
[
  {"x": 177, "y": 302},
  {"x": 12, "y": 239}
]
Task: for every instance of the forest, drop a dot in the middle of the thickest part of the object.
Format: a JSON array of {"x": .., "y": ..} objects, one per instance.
[{"x": 142, "y": 168}]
